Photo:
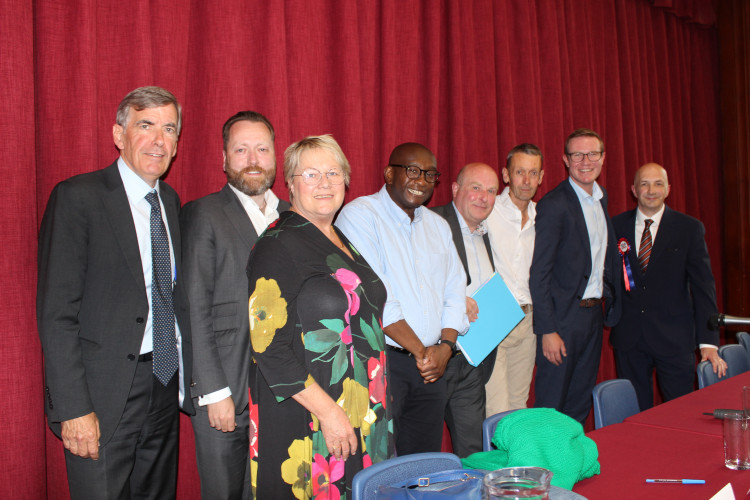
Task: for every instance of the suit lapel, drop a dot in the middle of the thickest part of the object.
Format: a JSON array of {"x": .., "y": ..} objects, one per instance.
[
  {"x": 574, "y": 205},
  {"x": 117, "y": 209},
  {"x": 238, "y": 217},
  {"x": 458, "y": 238},
  {"x": 663, "y": 236},
  {"x": 488, "y": 246},
  {"x": 173, "y": 221}
]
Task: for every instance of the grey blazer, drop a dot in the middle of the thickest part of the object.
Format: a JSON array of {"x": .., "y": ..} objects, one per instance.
[{"x": 217, "y": 239}]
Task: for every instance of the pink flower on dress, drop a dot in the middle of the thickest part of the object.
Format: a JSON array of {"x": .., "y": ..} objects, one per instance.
[
  {"x": 253, "y": 413},
  {"x": 366, "y": 460},
  {"x": 378, "y": 382},
  {"x": 349, "y": 282},
  {"x": 324, "y": 474}
]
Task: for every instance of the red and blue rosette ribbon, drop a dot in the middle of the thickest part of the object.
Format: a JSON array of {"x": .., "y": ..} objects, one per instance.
[{"x": 624, "y": 247}]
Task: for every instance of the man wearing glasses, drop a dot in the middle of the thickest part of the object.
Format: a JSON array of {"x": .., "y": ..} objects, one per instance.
[
  {"x": 572, "y": 276},
  {"x": 411, "y": 249}
]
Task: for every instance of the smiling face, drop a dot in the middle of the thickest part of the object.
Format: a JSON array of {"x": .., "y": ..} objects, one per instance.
[
  {"x": 585, "y": 172},
  {"x": 317, "y": 203},
  {"x": 249, "y": 158},
  {"x": 148, "y": 141},
  {"x": 475, "y": 195},
  {"x": 651, "y": 188},
  {"x": 407, "y": 193}
]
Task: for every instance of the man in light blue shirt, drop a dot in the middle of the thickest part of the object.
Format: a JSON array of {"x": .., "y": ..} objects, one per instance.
[
  {"x": 411, "y": 249},
  {"x": 573, "y": 272}
]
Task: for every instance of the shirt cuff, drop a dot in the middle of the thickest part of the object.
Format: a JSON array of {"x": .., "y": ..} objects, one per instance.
[
  {"x": 710, "y": 346},
  {"x": 214, "y": 397}
]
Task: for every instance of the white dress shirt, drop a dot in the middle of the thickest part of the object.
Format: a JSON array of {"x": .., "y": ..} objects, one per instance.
[{"x": 596, "y": 225}]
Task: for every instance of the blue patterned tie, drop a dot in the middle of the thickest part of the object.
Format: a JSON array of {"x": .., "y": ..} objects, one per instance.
[{"x": 165, "y": 342}]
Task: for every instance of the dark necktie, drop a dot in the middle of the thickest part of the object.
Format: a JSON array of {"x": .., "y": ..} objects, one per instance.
[
  {"x": 165, "y": 342},
  {"x": 644, "y": 253}
]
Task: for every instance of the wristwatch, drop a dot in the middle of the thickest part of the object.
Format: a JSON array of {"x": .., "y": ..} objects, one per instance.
[{"x": 449, "y": 343}]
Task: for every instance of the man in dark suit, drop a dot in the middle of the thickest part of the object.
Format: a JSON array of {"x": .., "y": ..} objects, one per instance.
[
  {"x": 117, "y": 351},
  {"x": 571, "y": 275},
  {"x": 665, "y": 310},
  {"x": 218, "y": 232},
  {"x": 474, "y": 195}
]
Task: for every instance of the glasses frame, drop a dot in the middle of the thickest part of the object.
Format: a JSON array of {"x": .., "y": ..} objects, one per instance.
[
  {"x": 339, "y": 172},
  {"x": 588, "y": 155},
  {"x": 433, "y": 173}
]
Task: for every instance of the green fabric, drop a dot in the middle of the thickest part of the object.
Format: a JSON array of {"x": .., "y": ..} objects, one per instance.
[{"x": 540, "y": 437}]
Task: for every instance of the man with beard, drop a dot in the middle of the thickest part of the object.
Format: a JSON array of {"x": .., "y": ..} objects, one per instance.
[
  {"x": 411, "y": 249},
  {"x": 219, "y": 231}
]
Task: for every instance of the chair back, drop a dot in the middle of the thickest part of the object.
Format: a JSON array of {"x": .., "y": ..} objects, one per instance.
[
  {"x": 394, "y": 470},
  {"x": 737, "y": 358},
  {"x": 706, "y": 375},
  {"x": 743, "y": 338},
  {"x": 614, "y": 401},
  {"x": 488, "y": 429}
]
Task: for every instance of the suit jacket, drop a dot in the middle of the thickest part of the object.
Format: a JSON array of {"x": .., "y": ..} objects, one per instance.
[
  {"x": 561, "y": 264},
  {"x": 217, "y": 239},
  {"x": 448, "y": 212},
  {"x": 91, "y": 298},
  {"x": 669, "y": 307}
]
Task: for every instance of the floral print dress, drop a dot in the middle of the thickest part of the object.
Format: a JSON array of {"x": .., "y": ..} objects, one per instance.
[{"x": 315, "y": 316}]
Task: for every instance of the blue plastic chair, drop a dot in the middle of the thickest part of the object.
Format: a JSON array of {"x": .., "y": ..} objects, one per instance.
[
  {"x": 614, "y": 401},
  {"x": 706, "y": 375},
  {"x": 737, "y": 358},
  {"x": 488, "y": 429},
  {"x": 743, "y": 338},
  {"x": 389, "y": 472}
]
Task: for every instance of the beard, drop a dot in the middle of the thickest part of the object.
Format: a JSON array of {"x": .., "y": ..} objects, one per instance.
[{"x": 251, "y": 186}]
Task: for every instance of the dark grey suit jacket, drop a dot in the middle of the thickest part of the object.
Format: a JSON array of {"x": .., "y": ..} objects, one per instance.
[
  {"x": 91, "y": 298},
  {"x": 217, "y": 239},
  {"x": 448, "y": 212},
  {"x": 561, "y": 264}
]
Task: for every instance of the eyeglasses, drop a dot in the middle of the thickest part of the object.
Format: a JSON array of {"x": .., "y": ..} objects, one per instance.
[
  {"x": 413, "y": 172},
  {"x": 312, "y": 176},
  {"x": 593, "y": 156}
]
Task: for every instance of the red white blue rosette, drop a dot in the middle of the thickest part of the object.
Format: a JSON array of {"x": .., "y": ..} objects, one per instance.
[{"x": 623, "y": 246}]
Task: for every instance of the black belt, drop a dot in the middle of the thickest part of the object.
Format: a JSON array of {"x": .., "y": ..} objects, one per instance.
[
  {"x": 590, "y": 302},
  {"x": 397, "y": 349},
  {"x": 149, "y": 356}
]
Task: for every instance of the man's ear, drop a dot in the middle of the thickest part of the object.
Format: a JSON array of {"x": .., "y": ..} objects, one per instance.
[
  {"x": 388, "y": 174},
  {"x": 117, "y": 132}
]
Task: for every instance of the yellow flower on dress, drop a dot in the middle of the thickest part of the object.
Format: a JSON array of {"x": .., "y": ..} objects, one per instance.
[
  {"x": 267, "y": 311},
  {"x": 354, "y": 400},
  {"x": 297, "y": 469}
]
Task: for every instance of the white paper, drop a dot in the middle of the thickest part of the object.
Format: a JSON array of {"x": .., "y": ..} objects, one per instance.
[{"x": 726, "y": 493}]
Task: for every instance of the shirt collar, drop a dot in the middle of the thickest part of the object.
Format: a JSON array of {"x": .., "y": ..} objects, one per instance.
[
  {"x": 272, "y": 201},
  {"x": 397, "y": 213},
  {"x": 511, "y": 211},
  {"x": 596, "y": 192},
  {"x": 135, "y": 188},
  {"x": 640, "y": 217}
]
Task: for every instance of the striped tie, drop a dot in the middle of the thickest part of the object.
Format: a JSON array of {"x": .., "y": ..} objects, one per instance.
[{"x": 644, "y": 253}]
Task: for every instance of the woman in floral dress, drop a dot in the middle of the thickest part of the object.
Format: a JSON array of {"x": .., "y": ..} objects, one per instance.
[{"x": 319, "y": 394}]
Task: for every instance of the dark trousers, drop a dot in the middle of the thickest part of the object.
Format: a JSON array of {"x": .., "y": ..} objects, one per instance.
[
  {"x": 464, "y": 413},
  {"x": 223, "y": 462},
  {"x": 140, "y": 461},
  {"x": 675, "y": 373},
  {"x": 417, "y": 408},
  {"x": 567, "y": 388}
]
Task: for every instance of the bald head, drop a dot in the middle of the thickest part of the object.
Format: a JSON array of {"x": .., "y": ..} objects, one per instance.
[
  {"x": 474, "y": 192},
  {"x": 651, "y": 188},
  {"x": 403, "y": 152}
]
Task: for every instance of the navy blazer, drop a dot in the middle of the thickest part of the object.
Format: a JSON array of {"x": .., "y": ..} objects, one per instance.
[
  {"x": 91, "y": 298},
  {"x": 670, "y": 305},
  {"x": 561, "y": 264}
]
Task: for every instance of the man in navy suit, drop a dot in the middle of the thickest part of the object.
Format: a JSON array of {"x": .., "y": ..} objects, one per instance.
[
  {"x": 571, "y": 275},
  {"x": 666, "y": 307},
  {"x": 109, "y": 331}
]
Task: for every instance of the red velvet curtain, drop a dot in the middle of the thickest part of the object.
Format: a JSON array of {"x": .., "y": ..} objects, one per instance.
[{"x": 468, "y": 79}]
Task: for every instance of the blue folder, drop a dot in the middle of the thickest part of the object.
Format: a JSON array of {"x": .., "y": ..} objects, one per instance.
[{"x": 499, "y": 313}]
